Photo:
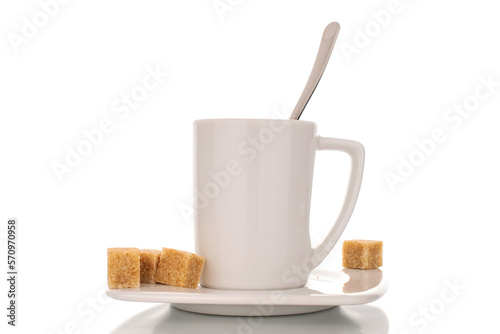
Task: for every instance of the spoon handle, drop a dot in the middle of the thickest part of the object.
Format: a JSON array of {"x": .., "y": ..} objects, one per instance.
[{"x": 325, "y": 50}]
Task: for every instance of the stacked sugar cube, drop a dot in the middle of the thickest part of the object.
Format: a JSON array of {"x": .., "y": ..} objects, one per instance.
[
  {"x": 128, "y": 267},
  {"x": 362, "y": 254}
]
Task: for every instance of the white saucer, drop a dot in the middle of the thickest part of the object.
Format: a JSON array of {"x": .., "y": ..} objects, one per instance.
[{"x": 325, "y": 289}]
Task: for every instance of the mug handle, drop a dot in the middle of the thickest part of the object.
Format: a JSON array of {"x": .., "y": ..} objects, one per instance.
[{"x": 357, "y": 153}]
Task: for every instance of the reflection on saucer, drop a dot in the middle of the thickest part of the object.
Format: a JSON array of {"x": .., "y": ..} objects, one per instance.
[
  {"x": 361, "y": 279},
  {"x": 360, "y": 319}
]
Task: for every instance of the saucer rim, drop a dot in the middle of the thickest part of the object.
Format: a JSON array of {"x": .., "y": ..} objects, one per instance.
[{"x": 207, "y": 296}]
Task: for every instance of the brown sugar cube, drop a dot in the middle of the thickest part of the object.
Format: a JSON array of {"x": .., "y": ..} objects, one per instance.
[
  {"x": 362, "y": 254},
  {"x": 179, "y": 268},
  {"x": 123, "y": 268},
  {"x": 149, "y": 263}
]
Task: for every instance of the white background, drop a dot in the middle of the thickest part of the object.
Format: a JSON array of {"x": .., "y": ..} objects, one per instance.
[{"x": 438, "y": 225}]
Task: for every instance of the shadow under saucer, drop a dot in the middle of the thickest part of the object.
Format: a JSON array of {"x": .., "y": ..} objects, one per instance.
[{"x": 356, "y": 319}]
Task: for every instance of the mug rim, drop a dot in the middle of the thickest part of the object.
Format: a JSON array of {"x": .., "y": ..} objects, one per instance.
[{"x": 293, "y": 121}]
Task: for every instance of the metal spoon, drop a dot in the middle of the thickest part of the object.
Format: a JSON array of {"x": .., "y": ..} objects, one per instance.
[{"x": 325, "y": 50}]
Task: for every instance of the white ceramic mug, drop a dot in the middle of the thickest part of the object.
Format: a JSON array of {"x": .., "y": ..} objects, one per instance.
[{"x": 253, "y": 181}]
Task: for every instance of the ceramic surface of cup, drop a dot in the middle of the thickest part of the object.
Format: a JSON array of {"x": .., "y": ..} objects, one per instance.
[{"x": 253, "y": 181}]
